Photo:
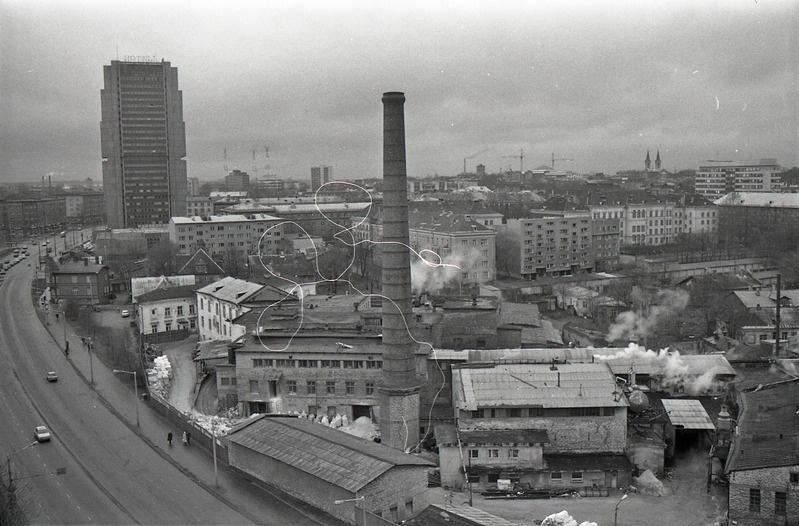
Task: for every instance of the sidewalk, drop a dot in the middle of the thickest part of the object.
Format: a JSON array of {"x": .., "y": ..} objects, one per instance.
[{"x": 116, "y": 393}]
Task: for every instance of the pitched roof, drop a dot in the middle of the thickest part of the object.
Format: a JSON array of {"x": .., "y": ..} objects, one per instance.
[
  {"x": 687, "y": 414},
  {"x": 79, "y": 267},
  {"x": 524, "y": 385},
  {"x": 185, "y": 291},
  {"x": 201, "y": 264},
  {"x": 231, "y": 289},
  {"x": 333, "y": 456},
  {"x": 767, "y": 428},
  {"x": 139, "y": 286}
]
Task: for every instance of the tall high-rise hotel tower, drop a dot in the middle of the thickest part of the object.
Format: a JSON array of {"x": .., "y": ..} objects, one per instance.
[{"x": 143, "y": 144}]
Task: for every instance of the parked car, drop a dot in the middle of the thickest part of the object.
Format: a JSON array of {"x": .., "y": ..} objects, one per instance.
[
  {"x": 126, "y": 313},
  {"x": 41, "y": 433},
  {"x": 52, "y": 376}
]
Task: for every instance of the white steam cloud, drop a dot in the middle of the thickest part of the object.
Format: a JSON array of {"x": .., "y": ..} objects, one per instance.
[
  {"x": 673, "y": 372},
  {"x": 435, "y": 273},
  {"x": 638, "y": 324}
]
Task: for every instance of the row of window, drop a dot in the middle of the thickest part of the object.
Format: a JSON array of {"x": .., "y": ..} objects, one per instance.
[
  {"x": 526, "y": 412},
  {"x": 555, "y": 477},
  {"x": 323, "y": 364},
  {"x": 780, "y": 501}
]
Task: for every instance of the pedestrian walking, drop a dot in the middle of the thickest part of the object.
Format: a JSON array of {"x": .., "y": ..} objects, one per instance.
[
  {"x": 188, "y": 439},
  {"x": 56, "y": 316},
  {"x": 185, "y": 441},
  {"x": 169, "y": 438},
  {"x": 67, "y": 345}
]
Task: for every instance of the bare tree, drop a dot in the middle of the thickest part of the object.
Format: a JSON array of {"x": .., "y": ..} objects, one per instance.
[
  {"x": 161, "y": 259},
  {"x": 508, "y": 256}
]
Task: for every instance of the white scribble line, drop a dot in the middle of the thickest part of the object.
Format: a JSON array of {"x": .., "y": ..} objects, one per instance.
[{"x": 298, "y": 286}]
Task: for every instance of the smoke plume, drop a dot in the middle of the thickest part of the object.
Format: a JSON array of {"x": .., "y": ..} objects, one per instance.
[{"x": 635, "y": 325}]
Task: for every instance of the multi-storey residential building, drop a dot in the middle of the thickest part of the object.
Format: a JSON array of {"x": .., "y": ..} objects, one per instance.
[
  {"x": 167, "y": 313},
  {"x": 88, "y": 208},
  {"x": 466, "y": 246},
  {"x": 221, "y": 302},
  {"x": 553, "y": 243},
  {"x": 200, "y": 206},
  {"x": 218, "y": 235},
  {"x": 82, "y": 282},
  {"x": 237, "y": 180},
  {"x": 746, "y": 212},
  {"x": 715, "y": 179},
  {"x": 320, "y": 175},
  {"x": 143, "y": 141},
  {"x": 605, "y": 244},
  {"x": 28, "y": 217},
  {"x": 476, "y": 211},
  {"x": 647, "y": 220},
  {"x": 192, "y": 187}
]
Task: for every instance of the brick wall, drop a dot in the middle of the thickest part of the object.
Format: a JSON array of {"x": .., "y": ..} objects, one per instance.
[{"x": 575, "y": 434}]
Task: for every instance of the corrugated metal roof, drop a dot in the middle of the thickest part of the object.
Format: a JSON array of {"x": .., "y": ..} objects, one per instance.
[
  {"x": 333, "y": 456},
  {"x": 687, "y": 414},
  {"x": 525, "y": 385}
]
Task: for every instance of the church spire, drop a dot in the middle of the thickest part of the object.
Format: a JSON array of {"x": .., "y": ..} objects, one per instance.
[
  {"x": 657, "y": 161},
  {"x": 648, "y": 162}
]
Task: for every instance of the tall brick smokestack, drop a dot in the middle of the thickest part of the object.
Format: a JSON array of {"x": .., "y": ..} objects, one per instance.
[{"x": 398, "y": 386}]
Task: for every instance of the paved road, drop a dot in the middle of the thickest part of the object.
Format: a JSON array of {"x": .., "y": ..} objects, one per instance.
[{"x": 116, "y": 473}]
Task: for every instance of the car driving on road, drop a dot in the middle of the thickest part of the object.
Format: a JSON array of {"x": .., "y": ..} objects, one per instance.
[
  {"x": 52, "y": 376},
  {"x": 41, "y": 433}
]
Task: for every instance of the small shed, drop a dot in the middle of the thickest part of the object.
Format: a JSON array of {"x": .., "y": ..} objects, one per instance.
[{"x": 321, "y": 465}]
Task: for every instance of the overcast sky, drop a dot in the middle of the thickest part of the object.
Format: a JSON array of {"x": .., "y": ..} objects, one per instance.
[{"x": 594, "y": 82}]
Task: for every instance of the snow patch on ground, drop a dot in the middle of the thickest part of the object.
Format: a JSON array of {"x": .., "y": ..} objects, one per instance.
[
  {"x": 159, "y": 376},
  {"x": 564, "y": 519}
]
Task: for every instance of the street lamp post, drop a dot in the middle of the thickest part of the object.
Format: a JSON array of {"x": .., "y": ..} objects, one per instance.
[
  {"x": 616, "y": 512},
  {"x": 213, "y": 447},
  {"x": 135, "y": 391},
  {"x": 361, "y": 499}
]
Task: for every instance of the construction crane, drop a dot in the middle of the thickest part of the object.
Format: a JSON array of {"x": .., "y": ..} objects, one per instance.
[
  {"x": 558, "y": 159},
  {"x": 520, "y": 157}
]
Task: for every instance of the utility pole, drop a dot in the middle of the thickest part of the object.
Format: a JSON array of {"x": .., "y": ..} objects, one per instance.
[{"x": 777, "y": 318}]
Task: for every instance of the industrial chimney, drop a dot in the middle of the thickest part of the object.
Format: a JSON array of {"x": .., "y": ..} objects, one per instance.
[{"x": 398, "y": 386}]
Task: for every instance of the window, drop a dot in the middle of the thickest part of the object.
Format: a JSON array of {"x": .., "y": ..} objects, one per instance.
[
  {"x": 328, "y": 364},
  {"x": 754, "y": 500},
  {"x": 493, "y": 477},
  {"x": 794, "y": 477},
  {"x": 261, "y": 362},
  {"x": 330, "y": 387},
  {"x": 349, "y": 386},
  {"x": 577, "y": 476},
  {"x": 585, "y": 411},
  {"x": 780, "y": 503},
  {"x": 514, "y": 412},
  {"x": 253, "y": 386},
  {"x": 556, "y": 476},
  {"x": 291, "y": 385},
  {"x": 370, "y": 388},
  {"x": 493, "y": 453},
  {"x": 311, "y": 386},
  {"x": 224, "y": 381},
  {"x": 513, "y": 453},
  {"x": 167, "y": 311},
  {"x": 474, "y": 453}
]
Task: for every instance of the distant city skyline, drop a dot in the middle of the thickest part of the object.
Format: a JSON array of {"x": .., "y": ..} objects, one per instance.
[{"x": 279, "y": 88}]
